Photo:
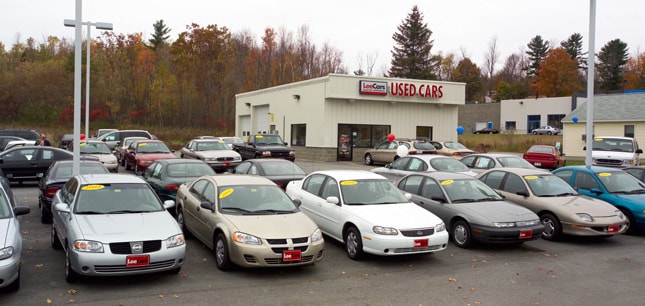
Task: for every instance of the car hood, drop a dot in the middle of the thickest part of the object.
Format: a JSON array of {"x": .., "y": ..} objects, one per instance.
[
  {"x": 127, "y": 227},
  {"x": 274, "y": 148},
  {"x": 274, "y": 226},
  {"x": 496, "y": 211},
  {"x": 217, "y": 153},
  {"x": 8, "y": 232},
  {"x": 154, "y": 156},
  {"x": 104, "y": 158},
  {"x": 583, "y": 204},
  {"x": 400, "y": 215},
  {"x": 631, "y": 201}
]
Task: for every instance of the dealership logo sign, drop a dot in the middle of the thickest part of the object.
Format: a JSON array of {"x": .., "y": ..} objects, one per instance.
[{"x": 373, "y": 88}]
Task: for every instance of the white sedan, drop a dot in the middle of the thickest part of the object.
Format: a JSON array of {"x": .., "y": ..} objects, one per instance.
[{"x": 368, "y": 214}]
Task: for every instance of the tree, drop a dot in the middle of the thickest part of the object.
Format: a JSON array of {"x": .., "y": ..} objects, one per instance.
[
  {"x": 491, "y": 57},
  {"x": 558, "y": 74},
  {"x": 411, "y": 57},
  {"x": 573, "y": 46},
  {"x": 635, "y": 72},
  {"x": 160, "y": 35},
  {"x": 538, "y": 49},
  {"x": 467, "y": 72},
  {"x": 612, "y": 59}
]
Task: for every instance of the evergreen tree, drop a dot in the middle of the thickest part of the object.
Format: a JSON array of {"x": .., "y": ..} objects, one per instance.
[
  {"x": 538, "y": 49},
  {"x": 612, "y": 59},
  {"x": 411, "y": 56},
  {"x": 160, "y": 35},
  {"x": 467, "y": 72},
  {"x": 573, "y": 46}
]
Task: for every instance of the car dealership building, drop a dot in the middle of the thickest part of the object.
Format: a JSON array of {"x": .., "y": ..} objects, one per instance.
[{"x": 338, "y": 117}]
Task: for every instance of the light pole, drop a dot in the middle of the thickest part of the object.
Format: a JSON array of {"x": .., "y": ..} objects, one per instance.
[{"x": 100, "y": 26}]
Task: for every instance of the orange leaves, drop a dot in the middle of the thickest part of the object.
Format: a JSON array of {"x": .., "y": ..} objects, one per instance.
[{"x": 558, "y": 74}]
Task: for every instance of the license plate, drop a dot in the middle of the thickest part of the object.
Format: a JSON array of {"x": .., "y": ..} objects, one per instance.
[
  {"x": 613, "y": 228},
  {"x": 420, "y": 243},
  {"x": 137, "y": 261},
  {"x": 526, "y": 234},
  {"x": 538, "y": 164},
  {"x": 292, "y": 255}
]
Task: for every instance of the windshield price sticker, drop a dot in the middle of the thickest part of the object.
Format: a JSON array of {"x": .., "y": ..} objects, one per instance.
[
  {"x": 226, "y": 193},
  {"x": 348, "y": 183},
  {"x": 292, "y": 255},
  {"x": 531, "y": 177},
  {"x": 604, "y": 174},
  {"x": 93, "y": 187},
  {"x": 447, "y": 182},
  {"x": 258, "y": 136}
]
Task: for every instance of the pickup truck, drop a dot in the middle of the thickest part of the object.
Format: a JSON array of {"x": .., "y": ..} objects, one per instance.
[{"x": 264, "y": 146}]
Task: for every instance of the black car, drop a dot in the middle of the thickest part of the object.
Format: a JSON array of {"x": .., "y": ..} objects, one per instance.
[
  {"x": 22, "y": 133},
  {"x": 65, "y": 141},
  {"x": 165, "y": 175},
  {"x": 487, "y": 130},
  {"x": 280, "y": 171},
  {"x": 4, "y": 140},
  {"x": 29, "y": 163},
  {"x": 56, "y": 176}
]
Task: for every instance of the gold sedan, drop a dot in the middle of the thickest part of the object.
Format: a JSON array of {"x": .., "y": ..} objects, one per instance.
[{"x": 248, "y": 221}]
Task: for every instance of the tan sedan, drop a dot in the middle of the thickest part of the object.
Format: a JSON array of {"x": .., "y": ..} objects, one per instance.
[
  {"x": 248, "y": 221},
  {"x": 452, "y": 149},
  {"x": 562, "y": 210}
]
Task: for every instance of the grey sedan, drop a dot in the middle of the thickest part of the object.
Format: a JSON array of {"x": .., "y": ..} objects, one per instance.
[
  {"x": 114, "y": 224},
  {"x": 10, "y": 242},
  {"x": 471, "y": 210}
]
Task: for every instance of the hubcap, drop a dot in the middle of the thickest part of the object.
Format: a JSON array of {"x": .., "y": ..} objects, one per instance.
[
  {"x": 219, "y": 251},
  {"x": 460, "y": 235},
  {"x": 352, "y": 243},
  {"x": 549, "y": 227}
]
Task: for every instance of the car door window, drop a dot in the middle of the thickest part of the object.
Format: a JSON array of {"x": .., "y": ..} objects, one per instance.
[
  {"x": 468, "y": 161},
  {"x": 383, "y": 145},
  {"x": 47, "y": 155},
  {"x": 400, "y": 163},
  {"x": 330, "y": 189},
  {"x": 411, "y": 184},
  {"x": 430, "y": 189},
  {"x": 209, "y": 193},
  {"x": 253, "y": 170},
  {"x": 494, "y": 179},
  {"x": 313, "y": 183},
  {"x": 585, "y": 181},
  {"x": 565, "y": 175},
  {"x": 197, "y": 188},
  {"x": 514, "y": 184},
  {"x": 156, "y": 172},
  {"x": 416, "y": 164},
  {"x": 243, "y": 167},
  {"x": 484, "y": 163}
]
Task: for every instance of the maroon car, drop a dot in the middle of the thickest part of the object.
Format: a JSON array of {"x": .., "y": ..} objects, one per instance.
[
  {"x": 141, "y": 153},
  {"x": 543, "y": 156}
]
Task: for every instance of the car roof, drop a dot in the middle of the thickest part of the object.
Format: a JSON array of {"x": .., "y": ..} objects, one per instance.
[
  {"x": 590, "y": 168},
  {"x": 443, "y": 175},
  {"x": 108, "y": 178},
  {"x": 172, "y": 161},
  {"x": 521, "y": 171},
  {"x": 428, "y": 157},
  {"x": 343, "y": 175},
  {"x": 494, "y": 155},
  {"x": 240, "y": 179}
]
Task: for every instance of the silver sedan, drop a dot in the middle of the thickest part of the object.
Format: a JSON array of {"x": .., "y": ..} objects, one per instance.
[{"x": 10, "y": 242}]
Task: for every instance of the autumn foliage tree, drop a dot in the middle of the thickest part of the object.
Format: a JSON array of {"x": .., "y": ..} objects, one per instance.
[{"x": 558, "y": 74}]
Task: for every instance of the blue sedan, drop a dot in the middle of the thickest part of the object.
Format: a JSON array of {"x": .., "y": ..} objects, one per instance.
[{"x": 611, "y": 185}]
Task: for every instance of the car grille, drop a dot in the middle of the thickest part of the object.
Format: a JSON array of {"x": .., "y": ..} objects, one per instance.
[
  {"x": 284, "y": 241},
  {"x": 280, "y": 250},
  {"x": 278, "y": 246},
  {"x": 279, "y": 261},
  {"x": 608, "y": 162},
  {"x": 124, "y": 268},
  {"x": 280, "y": 154},
  {"x": 225, "y": 158},
  {"x": 419, "y": 232},
  {"x": 416, "y": 250},
  {"x": 124, "y": 247}
]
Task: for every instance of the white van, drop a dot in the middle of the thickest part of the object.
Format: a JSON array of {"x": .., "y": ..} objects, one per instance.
[{"x": 612, "y": 151}]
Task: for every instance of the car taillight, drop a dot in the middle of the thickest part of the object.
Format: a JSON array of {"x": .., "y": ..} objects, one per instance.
[
  {"x": 280, "y": 184},
  {"x": 51, "y": 191},
  {"x": 172, "y": 187}
]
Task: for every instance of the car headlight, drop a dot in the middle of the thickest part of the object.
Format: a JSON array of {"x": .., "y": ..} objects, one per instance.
[
  {"x": 381, "y": 230},
  {"x": 316, "y": 236},
  {"x": 292, "y": 153},
  {"x": 440, "y": 227},
  {"x": 620, "y": 214},
  {"x": 527, "y": 223},
  {"x": 585, "y": 217},
  {"x": 6, "y": 252},
  {"x": 175, "y": 241},
  {"x": 144, "y": 162},
  {"x": 504, "y": 224},
  {"x": 266, "y": 153},
  {"x": 88, "y": 246},
  {"x": 246, "y": 238}
]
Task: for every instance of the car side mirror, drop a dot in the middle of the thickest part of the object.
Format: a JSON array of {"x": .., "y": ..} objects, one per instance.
[
  {"x": 595, "y": 190},
  {"x": 408, "y": 195},
  {"x": 297, "y": 202},
  {"x": 388, "y": 166},
  {"x": 522, "y": 193},
  {"x": 62, "y": 207},
  {"x": 168, "y": 204},
  {"x": 639, "y": 151},
  {"x": 207, "y": 205},
  {"x": 333, "y": 200}
]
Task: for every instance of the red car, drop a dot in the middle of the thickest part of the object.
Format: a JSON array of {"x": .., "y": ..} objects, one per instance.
[
  {"x": 543, "y": 156},
  {"x": 141, "y": 153}
]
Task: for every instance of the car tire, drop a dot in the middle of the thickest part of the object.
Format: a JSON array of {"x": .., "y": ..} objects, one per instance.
[
  {"x": 631, "y": 223},
  {"x": 182, "y": 221},
  {"x": 368, "y": 159},
  {"x": 70, "y": 275},
  {"x": 549, "y": 133},
  {"x": 222, "y": 259},
  {"x": 552, "y": 227},
  {"x": 15, "y": 286},
  {"x": 55, "y": 242},
  {"x": 353, "y": 243},
  {"x": 127, "y": 165},
  {"x": 535, "y": 133},
  {"x": 45, "y": 217},
  {"x": 461, "y": 234}
]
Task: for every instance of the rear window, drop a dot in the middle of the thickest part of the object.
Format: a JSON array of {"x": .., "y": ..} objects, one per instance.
[{"x": 26, "y": 134}]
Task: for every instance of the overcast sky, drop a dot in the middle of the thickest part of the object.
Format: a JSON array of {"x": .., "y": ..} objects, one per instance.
[{"x": 357, "y": 28}]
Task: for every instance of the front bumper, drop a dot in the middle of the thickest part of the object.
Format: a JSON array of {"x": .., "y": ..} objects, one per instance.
[
  {"x": 107, "y": 263},
  {"x": 400, "y": 245},
  {"x": 272, "y": 255},
  {"x": 500, "y": 235},
  {"x": 9, "y": 270}
]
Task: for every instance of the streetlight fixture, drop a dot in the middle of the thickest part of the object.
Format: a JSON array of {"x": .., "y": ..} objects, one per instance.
[{"x": 99, "y": 26}]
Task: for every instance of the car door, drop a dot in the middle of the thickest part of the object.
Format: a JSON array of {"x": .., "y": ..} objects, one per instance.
[
  {"x": 152, "y": 175},
  {"x": 66, "y": 196},
  {"x": 202, "y": 192},
  {"x": 20, "y": 163},
  {"x": 395, "y": 170},
  {"x": 311, "y": 203},
  {"x": 331, "y": 214},
  {"x": 422, "y": 190}
]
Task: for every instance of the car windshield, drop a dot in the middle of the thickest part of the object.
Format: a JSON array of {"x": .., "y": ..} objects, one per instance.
[
  {"x": 454, "y": 145},
  {"x": 211, "y": 146},
  {"x": 254, "y": 200},
  {"x": 548, "y": 185},
  {"x": 268, "y": 139},
  {"x": 95, "y": 148},
  {"x": 64, "y": 171},
  {"x": 281, "y": 167},
  {"x": 232, "y": 140},
  {"x": 541, "y": 149},
  {"x": 620, "y": 182},
  {"x": 423, "y": 145},
  {"x": 514, "y": 162},
  {"x": 616, "y": 145},
  {"x": 116, "y": 198},
  {"x": 368, "y": 192},
  {"x": 189, "y": 169},
  {"x": 152, "y": 147},
  {"x": 5, "y": 207},
  {"x": 448, "y": 164},
  {"x": 129, "y": 141},
  {"x": 469, "y": 190}
]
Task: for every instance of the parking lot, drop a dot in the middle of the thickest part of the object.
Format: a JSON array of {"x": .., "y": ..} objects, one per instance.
[{"x": 585, "y": 271}]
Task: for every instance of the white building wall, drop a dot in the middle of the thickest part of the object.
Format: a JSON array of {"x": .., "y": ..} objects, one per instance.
[
  {"x": 518, "y": 109},
  {"x": 573, "y": 142}
]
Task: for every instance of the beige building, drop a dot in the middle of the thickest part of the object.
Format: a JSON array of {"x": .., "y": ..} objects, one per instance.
[
  {"x": 339, "y": 117},
  {"x": 521, "y": 116}
]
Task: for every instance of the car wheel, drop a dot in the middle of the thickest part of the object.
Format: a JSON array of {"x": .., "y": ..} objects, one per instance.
[
  {"x": 181, "y": 221},
  {"x": 70, "y": 275},
  {"x": 55, "y": 242},
  {"x": 45, "y": 217},
  {"x": 535, "y": 133},
  {"x": 368, "y": 159},
  {"x": 15, "y": 286},
  {"x": 461, "y": 234},
  {"x": 549, "y": 133},
  {"x": 552, "y": 227},
  {"x": 222, "y": 260},
  {"x": 353, "y": 243},
  {"x": 631, "y": 223},
  {"x": 127, "y": 165}
]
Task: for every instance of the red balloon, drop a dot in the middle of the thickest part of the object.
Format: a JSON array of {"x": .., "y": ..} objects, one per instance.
[
  {"x": 82, "y": 136},
  {"x": 390, "y": 137}
]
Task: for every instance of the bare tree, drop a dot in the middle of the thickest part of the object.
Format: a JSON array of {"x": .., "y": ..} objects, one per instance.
[{"x": 491, "y": 57}]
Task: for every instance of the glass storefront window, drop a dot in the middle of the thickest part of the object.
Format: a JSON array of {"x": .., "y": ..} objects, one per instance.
[{"x": 298, "y": 134}]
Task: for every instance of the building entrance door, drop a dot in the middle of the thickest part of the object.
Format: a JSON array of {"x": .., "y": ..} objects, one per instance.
[{"x": 345, "y": 143}]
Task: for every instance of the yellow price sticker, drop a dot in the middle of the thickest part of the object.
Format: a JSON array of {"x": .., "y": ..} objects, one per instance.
[
  {"x": 531, "y": 177},
  {"x": 259, "y": 136},
  {"x": 143, "y": 144},
  {"x": 92, "y": 187},
  {"x": 604, "y": 174},
  {"x": 225, "y": 193},
  {"x": 348, "y": 183},
  {"x": 447, "y": 182}
]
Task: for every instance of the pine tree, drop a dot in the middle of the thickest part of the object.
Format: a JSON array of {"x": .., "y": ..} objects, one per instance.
[
  {"x": 612, "y": 59},
  {"x": 573, "y": 46},
  {"x": 538, "y": 49},
  {"x": 160, "y": 35},
  {"x": 411, "y": 57}
]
